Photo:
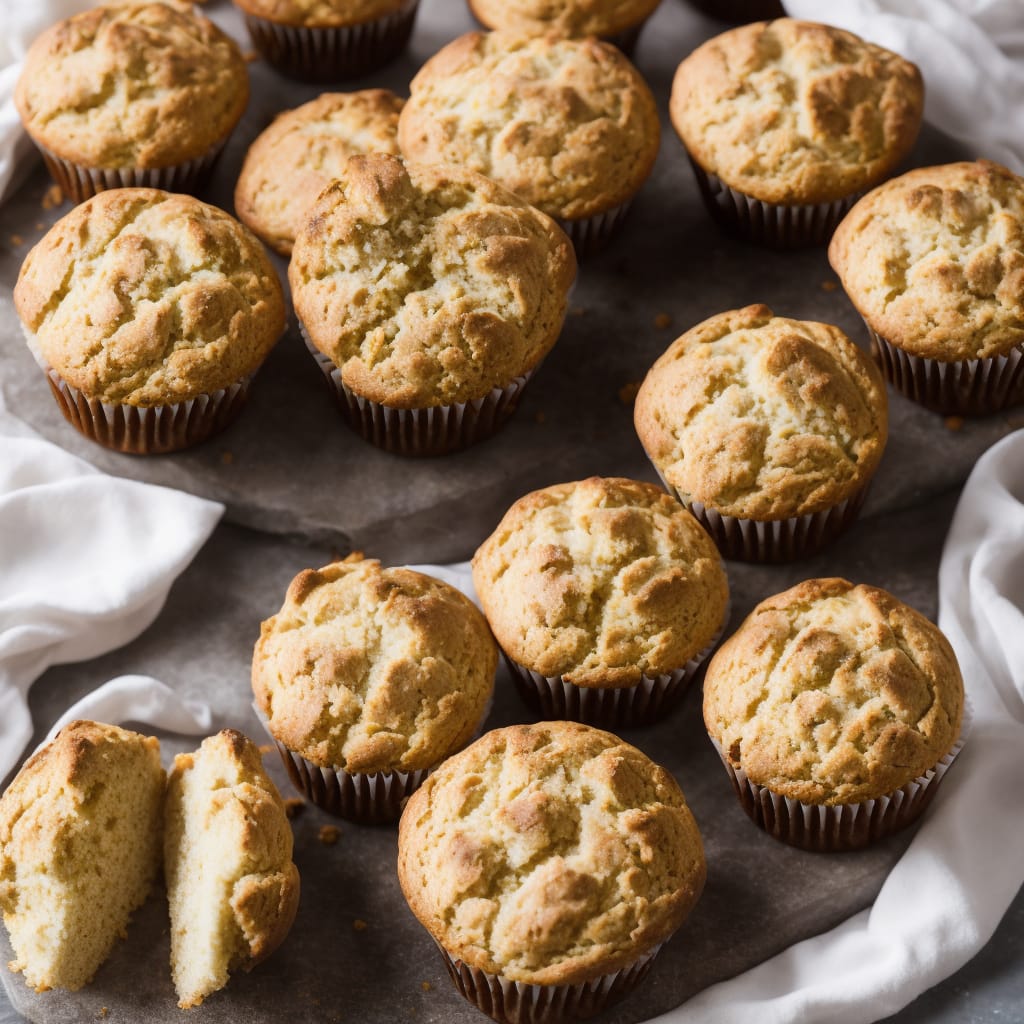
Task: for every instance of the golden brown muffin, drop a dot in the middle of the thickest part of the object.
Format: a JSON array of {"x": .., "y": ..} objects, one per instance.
[
  {"x": 831, "y": 693},
  {"x": 147, "y": 298},
  {"x": 934, "y": 260},
  {"x": 121, "y": 86},
  {"x": 792, "y": 112},
  {"x": 550, "y": 854},
  {"x": 567, "y": 17},
  {"x": 761, "y": 417},
  {"x": 567, "y": 124},
  {"x": 302, "y": 151},
  {"x": 231, "y": 884},
  {"x": 601, "y": 581},
  {"x": 80, "y": 846},
  {"x": 428, "y": 286},
  {"x": 320, "y": 13},
  {"x": 373, "y": 669}
]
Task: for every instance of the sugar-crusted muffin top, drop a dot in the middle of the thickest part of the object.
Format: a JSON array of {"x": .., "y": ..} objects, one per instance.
[
  {"x": 832, "y": 693},
  {"x": 934, "y": 260},
  {"x": 550, "y": 854},
  {"x": 373, "y": 669},
  {"x": 763, "y": 417},
  {"x": 321, "y": 13},
  {"x": 122, "y": 85},
  {"x": 601, "y": 581},
  {"x": 144, "y": 298},
  {"x": 568, "y": 17},
  {"x": 568, "y": 124},
  {"x": 795, "y": 112},
  {"x": 428, "y": 285},
  {"x": 303, "y": 150}
]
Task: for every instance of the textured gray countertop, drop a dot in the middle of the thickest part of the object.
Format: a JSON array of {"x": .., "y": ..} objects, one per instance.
[{"x": 300, "y": 488}]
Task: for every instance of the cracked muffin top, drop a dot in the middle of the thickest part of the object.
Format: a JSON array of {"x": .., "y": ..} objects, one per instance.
[
  {"x": 601, "y": 581},
  {"x": 832, "y": 693},
  {"x": 934, "y": 260},
  {"x": 762, "y": 417},
  {"x": 550, "y": 854},
  {"x": 120, "y": 86},
  {"x": 321, "y": 13},
  {"x": 373, "y": 669},
  {"x": 143, "y": 297},
  {"x": 568, "y": 17},
  {"x": 794, "y": 112},
  {"x": 303, "y": 150},
  {"x": 568, "y": 124},
  {"x": 428, "y": 285}
]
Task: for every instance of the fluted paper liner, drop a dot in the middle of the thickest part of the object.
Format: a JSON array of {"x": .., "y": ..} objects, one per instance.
[{"x": 589, "y": 235}]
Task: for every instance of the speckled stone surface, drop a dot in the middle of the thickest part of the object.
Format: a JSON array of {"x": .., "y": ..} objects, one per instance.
[{"x": 301, "y": 488}]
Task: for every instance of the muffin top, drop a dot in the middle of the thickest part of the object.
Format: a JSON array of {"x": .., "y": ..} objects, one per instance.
[
  {"x": 832, "y": 693},
  {"x": 428, "y": 285},
  {"x": 321, "y": 13},
  {"x": 303, "y": 150},
  {"x": 550, "y": 854},
  {"x": 568, "y": 124},
  {"x": 370, "y": 669},
  {"x": 120, "y": 86},
  {"x": 144, "y": 298},
  {"x": 567, "y": 17},
  {"x": 934, "y": 260},
  {"x": 601, "y": 581},
  {"x": 794, "y": 112},
  {"x": 761, "y": 417}
]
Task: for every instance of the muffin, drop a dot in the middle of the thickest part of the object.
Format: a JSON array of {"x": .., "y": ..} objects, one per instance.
[
  {"x": 787, "y": 122},
  {"x": 328, "y": 40},
  {"x": 768, "y": 430},
  {"x": 606, "y": 597},
  {"x": 110, "y": 97},
  {"x": 836, "y": 710},
  {"x": 302, "y": 151},
  {"x": 568, "y": 124},
  {"x": 934, "y": 262},
  {"x": 369, "y": 677},
  {"x": 615, "y": 21},
  {"x": 80, "y": 833},
  {"x": 231, "y": 884},
  {"x": 428, "y": 296},
  {"x": 549, "y": 863}
]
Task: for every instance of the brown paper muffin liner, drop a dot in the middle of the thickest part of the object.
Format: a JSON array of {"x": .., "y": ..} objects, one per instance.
[
  {"x": 517, "y": 1002},
  {"x": 772, "y": 224},
  {"x": 972, "y": 387},
  {"x": 79, "y": 183},
  {"x": 589, "y": 235},
  {"x": 435, "y": 430},
  {"x": 739, "y": 11},
  {"x": 773, "y": 540},
  {"x": 330, "y": 53},
  {"x": 612, "y": 707},
  {"x": 844, "y": 826},
  {"x": 149, "y": 431}
]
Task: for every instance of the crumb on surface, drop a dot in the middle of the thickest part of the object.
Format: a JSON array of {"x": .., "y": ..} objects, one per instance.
[
  {"x": 829, "y": 286},
  {"x": 628, "y": 392},
  {"x": 359, "y": 925},
  {"x": 40, "y": 225},
  {"x": 663, "y": 321},
  {"x": 329, "y": 834},
  {"x": 53, "y": 197},
  {"x": 250, "y": 56},
  {"x": 227, "y": 458},
  {"x": 954, "y": 422},
  {"x": 266, "y": 748},
  {"x": 294, "y": 806},
  {"x": 426, "y": 986},
  {"x": 17, "y": 240},
  {"x": 577, "y": 311},
  {"x": 540, "y": 417}
]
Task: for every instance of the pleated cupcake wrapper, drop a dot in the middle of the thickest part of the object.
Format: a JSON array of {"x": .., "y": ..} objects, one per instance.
[
  {"x": 517, "y": 1002},
  {"x": 972, "y": 387},
  {"x": 589, "y": 235},
  {"x": 740, "y": 10},
  {"x": 609, "y": 707},
  {"x": 435, "y": 430},
  {"x": 773, "y": 224},
  {"x": 844, "y": 826},
  {"x": 79, "y": 183},
  {"x": 329, "y": 53},
  {"x": 149, "y": 431},
  {"x": 774, "y": 540}
]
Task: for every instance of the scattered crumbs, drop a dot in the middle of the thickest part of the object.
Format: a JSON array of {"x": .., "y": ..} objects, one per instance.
[
  {"x": 53, "y": 197},
  {"x": 329, "y": 834},
  {"x": 17, "y": 240},
  {"x": 227, "y": 458},
  {"x": 426, "y": 986},
  {"x": 663, "y": 321},
  {"x": 359, "y": 924},
  {"x": 829, "y": 286},
  {"x": 294, "y": 806},
  {"x": 266, "y": 748},
  {"x": 250, "y": 56},
  {"x": 40, "y": 225},
  {"x": 577, "y": 311},
  {"x": 540, "y": 417},
  {"x": 627, "y": 393},
  {"x": 103, "y": 1011},
  {"x": 954, "y": 422}
]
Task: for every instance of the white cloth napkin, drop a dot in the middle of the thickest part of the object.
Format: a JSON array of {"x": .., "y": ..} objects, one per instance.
[{"x": 86, "y": 561}]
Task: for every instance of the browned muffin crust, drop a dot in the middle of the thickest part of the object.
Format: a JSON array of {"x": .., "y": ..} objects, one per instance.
[
  {"x": 567, "y": 17},
  {"x": 320, "y": 13}
]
